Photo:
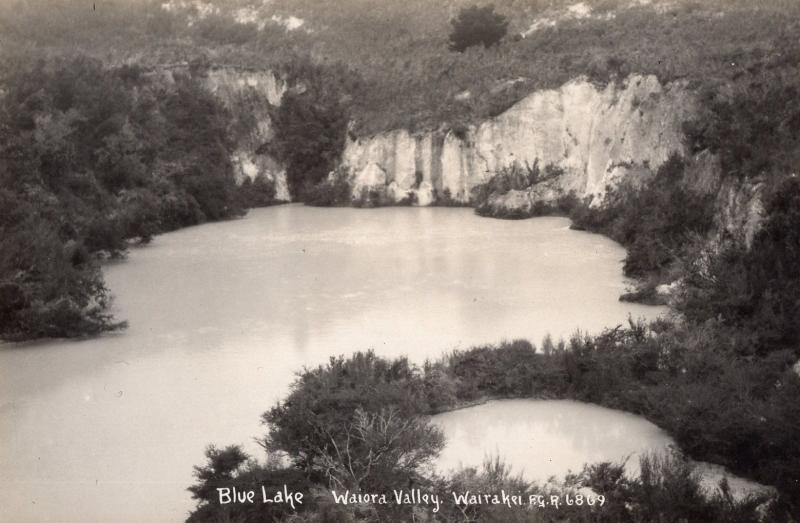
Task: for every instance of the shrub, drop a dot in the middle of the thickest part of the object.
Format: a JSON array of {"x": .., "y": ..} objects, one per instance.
[
  {"x": 311, "y": 128},
  {"x": 324, "y": 402},
  {"x": 754, "y": 289},
  {"x": 655, "y": 221},
  {"x": 335, "y": 190},
  {"x": 477, "y": 25}
]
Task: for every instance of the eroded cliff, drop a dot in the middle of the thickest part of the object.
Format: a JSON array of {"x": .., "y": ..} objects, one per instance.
[
  {"x": 249, "y": 94},
  {"x": 596, "y": 135}
]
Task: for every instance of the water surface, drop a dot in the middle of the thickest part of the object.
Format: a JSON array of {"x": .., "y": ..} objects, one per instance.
[
  {"x": 544, "y": 438},
  {"x": 222, "y": 315}
]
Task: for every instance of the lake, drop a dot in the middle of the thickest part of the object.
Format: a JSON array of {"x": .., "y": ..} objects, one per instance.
[
  {"x": 540, "y": 439},
  {"x": 544, "y": 438},
  {"x": 222, "y": 315}
]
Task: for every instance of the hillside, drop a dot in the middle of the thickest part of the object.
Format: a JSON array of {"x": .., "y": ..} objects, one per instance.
[{"x": 394, "y": 56}]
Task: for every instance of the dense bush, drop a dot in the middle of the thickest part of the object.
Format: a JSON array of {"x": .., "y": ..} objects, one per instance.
[
  {"x": 332, "y": 191},
  {"x": 325, "y": 400},
  {"x": 257, "y": 192},
  {"x": 754, "y": 291},
  {"x": 654, "y": 221},
  {"x": 311, "y": 125},
  {"x": 755, "y": 129},
  {"x": 93, "y": 157},
  {"x": 49, "y": 287}
]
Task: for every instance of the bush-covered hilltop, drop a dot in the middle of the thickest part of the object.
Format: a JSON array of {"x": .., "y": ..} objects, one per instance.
[{"x": 412, "y": 78}]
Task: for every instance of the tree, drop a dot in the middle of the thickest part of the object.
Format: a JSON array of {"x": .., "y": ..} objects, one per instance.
[
  {"x": 324, "y": 402},
  {"x": 310, "y": 136},
  {"x": 376, "y": 450},
  {"x": 477, "y": 25}
]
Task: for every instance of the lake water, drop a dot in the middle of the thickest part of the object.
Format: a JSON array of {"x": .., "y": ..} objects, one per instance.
[
  {"x": 222, "y": 315},
  {"x": 540, "y": 439},
  {"x": 544, "y": 438}
]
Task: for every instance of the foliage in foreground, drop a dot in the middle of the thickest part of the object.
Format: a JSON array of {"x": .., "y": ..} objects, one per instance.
[{"x": 359, "y": 423}]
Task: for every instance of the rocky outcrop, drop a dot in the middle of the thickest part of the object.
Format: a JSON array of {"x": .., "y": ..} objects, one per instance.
[
  {"x": 595, "y": 135},
  {"x": 249, "y": 94},
  {"x": 740, "y": 210},
  {"x": 739, "y": 207}
]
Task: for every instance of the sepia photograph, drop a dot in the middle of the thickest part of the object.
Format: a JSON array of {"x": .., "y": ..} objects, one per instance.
[{"x": 360, "y": 261}]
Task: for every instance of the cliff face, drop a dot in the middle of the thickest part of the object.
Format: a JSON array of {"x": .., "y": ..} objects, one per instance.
[
  {"x": 249, "y": 96},
  {"x": 595, "y": 135},
  {"x": 739, "y": 207}
]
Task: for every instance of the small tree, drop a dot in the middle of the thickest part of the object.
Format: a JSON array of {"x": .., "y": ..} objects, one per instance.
[
  {"x": 477, "y": 25},
  {"x": 376, "y": 450},
  {"x": 310, "y": 130}
]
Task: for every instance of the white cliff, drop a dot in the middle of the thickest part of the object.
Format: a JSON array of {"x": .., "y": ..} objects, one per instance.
[
  {"x": 596, "y": 135},
  {"x": 249, "y": 95}
]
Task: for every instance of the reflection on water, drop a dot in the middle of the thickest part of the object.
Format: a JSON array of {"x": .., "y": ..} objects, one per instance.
[
  {"x": 222, "y": 315},
  {"x": 544, "y": 438}
]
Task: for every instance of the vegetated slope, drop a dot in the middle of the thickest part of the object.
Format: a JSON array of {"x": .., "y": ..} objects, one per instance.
[{"x": 400, "y": 49}]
